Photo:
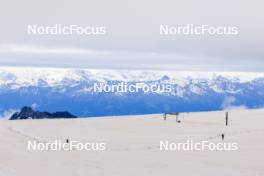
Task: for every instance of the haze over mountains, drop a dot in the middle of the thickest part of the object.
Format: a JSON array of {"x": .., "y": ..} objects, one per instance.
[{"x": 57, "y": 89}]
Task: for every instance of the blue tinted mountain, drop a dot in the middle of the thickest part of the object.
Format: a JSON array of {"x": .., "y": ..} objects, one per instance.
[{"x": 29, "y": 113}]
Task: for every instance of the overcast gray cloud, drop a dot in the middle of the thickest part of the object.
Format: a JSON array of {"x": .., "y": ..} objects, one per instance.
[{"x": 133, "y": 39}]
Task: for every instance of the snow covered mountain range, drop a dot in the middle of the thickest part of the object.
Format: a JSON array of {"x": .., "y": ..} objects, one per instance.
[{"x": 55, "y": 89}]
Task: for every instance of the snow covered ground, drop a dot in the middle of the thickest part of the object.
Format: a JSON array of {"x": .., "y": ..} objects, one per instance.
[{"x": 133, "y": 145}]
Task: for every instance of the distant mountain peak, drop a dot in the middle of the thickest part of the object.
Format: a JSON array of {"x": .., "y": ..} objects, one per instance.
[
  {"x": 74, "y": 90},
  {"x": 28, "y": 113}
]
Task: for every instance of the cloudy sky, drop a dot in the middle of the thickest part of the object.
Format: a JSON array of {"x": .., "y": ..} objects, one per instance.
[{"x": 133, "y": 39}]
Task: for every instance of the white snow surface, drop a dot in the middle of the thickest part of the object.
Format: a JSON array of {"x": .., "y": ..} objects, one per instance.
[{"x": 133, "y": 145}]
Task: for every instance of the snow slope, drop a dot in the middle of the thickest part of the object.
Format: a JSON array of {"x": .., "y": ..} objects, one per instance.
[{"x": 133, "y": 146}]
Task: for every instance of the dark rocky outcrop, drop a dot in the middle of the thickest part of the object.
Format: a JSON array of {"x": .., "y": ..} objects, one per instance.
[{"x": 29, "y": 113}]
